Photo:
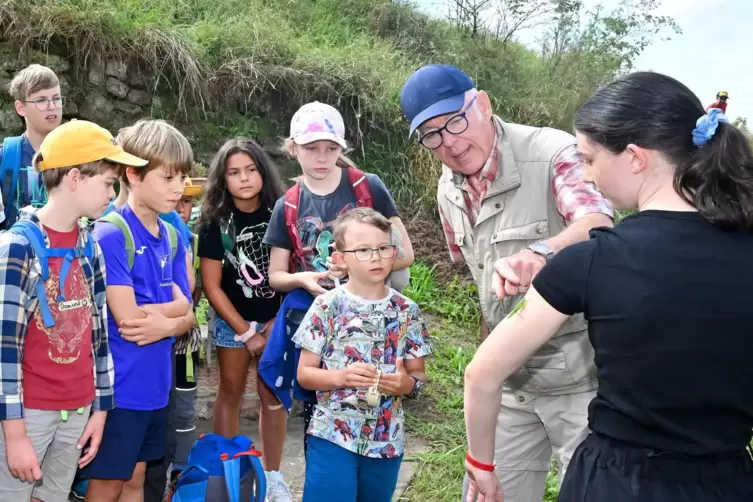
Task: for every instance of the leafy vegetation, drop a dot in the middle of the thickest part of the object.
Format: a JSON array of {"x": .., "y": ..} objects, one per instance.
[{"x": 227, "y": 67}]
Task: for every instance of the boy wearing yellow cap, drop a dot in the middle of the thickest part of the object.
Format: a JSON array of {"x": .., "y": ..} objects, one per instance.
[{"x": 55, "y": 360}]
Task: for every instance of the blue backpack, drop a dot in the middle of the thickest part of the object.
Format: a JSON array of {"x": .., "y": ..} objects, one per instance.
[
  {"x": 34, "y": 235},
  {"x": 221, "y": 469},
  {"x": 9, "y": 169}
]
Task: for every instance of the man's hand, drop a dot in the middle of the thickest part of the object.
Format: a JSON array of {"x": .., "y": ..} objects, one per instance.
[
  {"x": 310, "y": 281},
  {"x": 150, "y": 329},
  {"x": 22, "y": 459},
  {"x": 399, "y": 383},
  {"x": 336, "y": 271},
  {"x": 357, "y": 375},
  {"x": 513, "y": 275},
  {"x": 93, "y": 433}
]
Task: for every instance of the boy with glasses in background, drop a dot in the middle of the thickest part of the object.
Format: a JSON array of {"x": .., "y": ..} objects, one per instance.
[{"x": 39, "y": 102}]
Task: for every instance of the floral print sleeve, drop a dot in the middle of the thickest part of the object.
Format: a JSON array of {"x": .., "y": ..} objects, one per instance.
[{"x": 312, "y": 332}]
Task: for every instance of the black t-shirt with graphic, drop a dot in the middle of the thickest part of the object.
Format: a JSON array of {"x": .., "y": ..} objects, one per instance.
[
  {"x": 317, "y": 213},
  {"x": 245, "y": 270}
]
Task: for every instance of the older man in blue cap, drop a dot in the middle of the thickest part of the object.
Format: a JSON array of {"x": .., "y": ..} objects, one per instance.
[{"x": 510, "y": 197}]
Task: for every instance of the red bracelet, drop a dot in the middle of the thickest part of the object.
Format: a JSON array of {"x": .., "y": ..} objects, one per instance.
[{"x": 478, "y": 465}]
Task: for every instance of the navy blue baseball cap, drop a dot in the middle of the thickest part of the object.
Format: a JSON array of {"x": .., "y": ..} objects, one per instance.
[{"x": 433, "y": 90}]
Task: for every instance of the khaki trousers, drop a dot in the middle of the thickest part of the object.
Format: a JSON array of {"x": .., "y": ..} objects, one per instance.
[{"x": 530, "y": 429}]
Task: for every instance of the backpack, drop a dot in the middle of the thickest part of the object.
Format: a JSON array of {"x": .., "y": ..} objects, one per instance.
[
  {"x": 34, "y": 235},
  {"x": 117, "y": 219},
  {"x": 9, "y": 169},
  {"x": 397, "y": 280},
  {"x": 221, "y": 470}
]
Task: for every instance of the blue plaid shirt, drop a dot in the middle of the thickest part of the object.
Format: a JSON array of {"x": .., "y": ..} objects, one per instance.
[{"x": 19, "y": 271}]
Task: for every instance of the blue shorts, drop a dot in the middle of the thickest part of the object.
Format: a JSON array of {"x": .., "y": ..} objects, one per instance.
[
  {"x": 224, "y": 335},
  {"x": 130, "y": 437},
  {"x": 334, "y": 474}
]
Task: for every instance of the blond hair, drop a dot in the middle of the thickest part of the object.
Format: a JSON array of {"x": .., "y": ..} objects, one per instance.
[
  {"x": 365, "y": 215},
  {"x": 51, "y": 178},
  {"x": 33, "y": 78},
  {"x": 158, "y": 142}
]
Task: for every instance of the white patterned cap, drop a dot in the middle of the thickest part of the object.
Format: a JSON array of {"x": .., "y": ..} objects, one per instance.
[{"x": 316, "y": 122}]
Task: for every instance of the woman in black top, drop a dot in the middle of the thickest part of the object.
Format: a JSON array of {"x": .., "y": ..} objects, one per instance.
[{"x": 667, "y": 296}]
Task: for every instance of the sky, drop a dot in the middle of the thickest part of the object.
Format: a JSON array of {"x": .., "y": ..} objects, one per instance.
[{"x": 712, "y": 53}]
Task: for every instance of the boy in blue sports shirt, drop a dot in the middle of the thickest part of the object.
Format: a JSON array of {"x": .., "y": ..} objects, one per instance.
[{"x": 148, "y": 304}]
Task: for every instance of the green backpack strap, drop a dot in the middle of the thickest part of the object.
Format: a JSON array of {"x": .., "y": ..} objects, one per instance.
[
  {"x": 130, "y": 245},
  {"x": 172, "y": 238}
]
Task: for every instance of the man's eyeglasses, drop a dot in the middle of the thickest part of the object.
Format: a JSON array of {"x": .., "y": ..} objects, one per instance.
[
  {"x": 43, "y": 104},
  {"x": 456, "y": 125},
  {"x": 365, "y": 254}
]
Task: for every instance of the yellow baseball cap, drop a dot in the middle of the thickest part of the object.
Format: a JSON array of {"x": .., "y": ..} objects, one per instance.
[
  {"x": 723, "y": 94},
  {"x": 79, "y": 142},
  {"x": 189, "y": 189}
]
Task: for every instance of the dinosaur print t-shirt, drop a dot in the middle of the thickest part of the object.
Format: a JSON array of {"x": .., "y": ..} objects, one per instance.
[
  {"x": 316, "y": 214},
  {"x": 346, "y": 329},
  {"x": 245, "y": 269},
  {"x": 58, "y": 362}
]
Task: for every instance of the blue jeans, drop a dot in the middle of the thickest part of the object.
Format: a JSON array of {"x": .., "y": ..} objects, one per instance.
[
  {"x": 334, "y": 474},
  {"x": 224, "y": 335}
]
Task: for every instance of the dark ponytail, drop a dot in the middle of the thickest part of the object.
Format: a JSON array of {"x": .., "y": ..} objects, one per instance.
[
  {"x": 718, "y": 179},
  {"x": 659, "y": 113}
]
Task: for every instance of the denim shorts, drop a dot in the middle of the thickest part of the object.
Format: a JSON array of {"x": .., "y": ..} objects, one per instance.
[{"x": 224, "y": 335}]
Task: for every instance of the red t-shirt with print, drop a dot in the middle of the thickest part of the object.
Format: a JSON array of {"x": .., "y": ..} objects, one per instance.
[
  {"x": 58, "y": 364},
  {"x": 722, "y": 106}
]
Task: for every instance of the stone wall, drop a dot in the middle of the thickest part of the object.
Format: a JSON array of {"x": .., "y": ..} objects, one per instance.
[
  {"x": 114, "y": 94},
  {"x": 110, "y": 93}
]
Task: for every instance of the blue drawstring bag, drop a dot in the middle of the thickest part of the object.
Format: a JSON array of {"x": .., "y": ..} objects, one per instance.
[{"x": 221, "y": 470}]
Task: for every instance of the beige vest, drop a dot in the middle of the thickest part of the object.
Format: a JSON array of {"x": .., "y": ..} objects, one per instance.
[{"x": 518, "y": 210}]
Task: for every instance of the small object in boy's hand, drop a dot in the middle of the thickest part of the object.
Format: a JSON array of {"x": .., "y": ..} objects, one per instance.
[{"x": 373, "y": 393}]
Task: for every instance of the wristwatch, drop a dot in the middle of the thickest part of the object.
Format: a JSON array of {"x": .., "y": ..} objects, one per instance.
[
  {"x": 416, "y": 388},
  {"x": 543, "y": 249}
]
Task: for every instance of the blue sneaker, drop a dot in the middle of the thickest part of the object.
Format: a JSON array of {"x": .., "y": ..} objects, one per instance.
[{"x": 79, "y": 489}]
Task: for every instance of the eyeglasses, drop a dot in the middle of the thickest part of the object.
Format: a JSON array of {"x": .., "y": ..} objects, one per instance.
[
  {"x": 456, "y": 125},
  {"x": 43, "y": 104},
  {"x": 365, "y": 254}
]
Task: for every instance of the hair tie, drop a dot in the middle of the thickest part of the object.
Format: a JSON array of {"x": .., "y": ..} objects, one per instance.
[{"x": 706, "y": 126}]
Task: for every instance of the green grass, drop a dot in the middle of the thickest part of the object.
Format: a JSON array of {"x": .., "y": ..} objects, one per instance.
[{"x": 452, "y": 313}]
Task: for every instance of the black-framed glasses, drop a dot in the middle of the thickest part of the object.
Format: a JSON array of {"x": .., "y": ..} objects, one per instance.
[
  {"x": 456, "y": 125},
  {"x": 43, "y": 104},
  {"x": 385, "y": 252}
]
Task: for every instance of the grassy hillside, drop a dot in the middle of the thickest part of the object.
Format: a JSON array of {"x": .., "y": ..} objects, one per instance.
[{"x": 262, "y": 59}]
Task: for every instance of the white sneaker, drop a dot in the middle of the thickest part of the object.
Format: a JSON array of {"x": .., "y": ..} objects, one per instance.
[{"x": 277, "y": 489}]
